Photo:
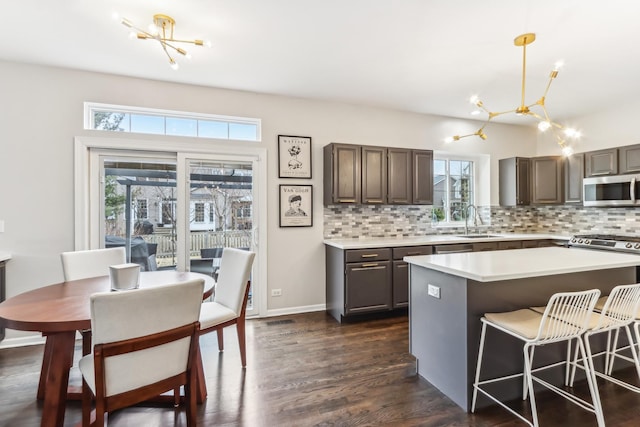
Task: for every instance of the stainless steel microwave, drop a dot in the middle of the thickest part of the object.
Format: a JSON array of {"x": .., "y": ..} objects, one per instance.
[{"x": 618, "y": 190}]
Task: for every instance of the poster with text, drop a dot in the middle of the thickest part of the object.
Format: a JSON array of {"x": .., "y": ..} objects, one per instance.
[
  {"x": 296, "y": 205},
  {"x": 294, "y": 156}
]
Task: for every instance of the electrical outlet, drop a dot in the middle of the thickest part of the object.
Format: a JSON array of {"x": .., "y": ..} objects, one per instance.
[
  {"x": 276, "y": 292},
  {"x": 433, "y": 291}
]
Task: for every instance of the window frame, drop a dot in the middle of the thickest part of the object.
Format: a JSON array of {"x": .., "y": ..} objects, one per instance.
[
  {"x": 91, "y": 108},
  {"x": 448, "y": 157}
]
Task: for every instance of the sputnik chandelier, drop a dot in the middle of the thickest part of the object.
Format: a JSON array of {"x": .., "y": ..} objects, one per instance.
[
  {"x": 161, "y": 30},
  {"x": 545, "y": 123}
]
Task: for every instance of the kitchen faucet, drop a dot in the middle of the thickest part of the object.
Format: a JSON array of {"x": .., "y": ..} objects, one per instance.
[{"x": 470, "y": 207}]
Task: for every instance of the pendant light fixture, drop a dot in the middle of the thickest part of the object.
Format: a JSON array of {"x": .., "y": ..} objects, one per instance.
[
  {"x": 545, "y": 123},
  {"x": 161, "y": 30}
]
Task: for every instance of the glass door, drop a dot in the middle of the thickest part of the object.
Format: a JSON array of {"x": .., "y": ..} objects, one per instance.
[
  {"x": 218, "y": 211},
  {"x": 138, "y": 197}
]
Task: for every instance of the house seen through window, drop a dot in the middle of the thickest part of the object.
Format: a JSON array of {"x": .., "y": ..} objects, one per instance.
[{"x": 453, "y": 189}]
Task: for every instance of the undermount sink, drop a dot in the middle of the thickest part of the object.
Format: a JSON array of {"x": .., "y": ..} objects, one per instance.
[{"x": 477, "y": 236}]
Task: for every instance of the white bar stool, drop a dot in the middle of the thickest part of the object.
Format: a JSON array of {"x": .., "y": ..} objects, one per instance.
[{"x": 565, "y": 318}]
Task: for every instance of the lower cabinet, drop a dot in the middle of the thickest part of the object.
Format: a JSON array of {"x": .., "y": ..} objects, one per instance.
[
  {"x": 363, "y": 281},
  {"x": 400, "y": 282}
]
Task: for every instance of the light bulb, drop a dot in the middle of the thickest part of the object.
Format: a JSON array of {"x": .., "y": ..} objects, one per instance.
[
  {"x": 207, "y": 43},
  {"x": 475, "y": 112},
  {"x": 558, "y": 65},
  {"x": 153, "y": 29},
  {"x": 448, "y": 139},
  {"x": 572, "y": 133},
  {"x": 133, "y": 35},
  {"x": 567, "y": 151},
  {"x": 544, "y": 125},
  {"x": 174, "y": 64},
  {"x": 474, "y": 99}
]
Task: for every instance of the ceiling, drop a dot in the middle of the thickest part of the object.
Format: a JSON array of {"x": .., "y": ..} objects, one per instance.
[{"x": 424, "y": 56}]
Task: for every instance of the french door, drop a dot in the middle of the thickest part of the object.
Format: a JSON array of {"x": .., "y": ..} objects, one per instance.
[{"x": 176, "y": 210}]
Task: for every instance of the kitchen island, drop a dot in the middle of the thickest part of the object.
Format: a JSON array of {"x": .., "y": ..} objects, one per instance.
[{"x": 449, "y": 293}]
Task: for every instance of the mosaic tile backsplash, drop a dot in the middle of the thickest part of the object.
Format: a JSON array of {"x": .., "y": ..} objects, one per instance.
[{"x": 360, "y": 221}]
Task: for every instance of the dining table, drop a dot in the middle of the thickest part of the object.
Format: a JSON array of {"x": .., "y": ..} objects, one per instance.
[{"x": 61, "y": 309}]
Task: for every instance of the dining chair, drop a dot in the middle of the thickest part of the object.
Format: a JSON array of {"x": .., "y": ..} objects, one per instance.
[
  {"x": 564, "y": 319},
  {"x": 230, "y": 300},
  {"x": 78, "y": 265},
  {"x": 145, "y": 344}
]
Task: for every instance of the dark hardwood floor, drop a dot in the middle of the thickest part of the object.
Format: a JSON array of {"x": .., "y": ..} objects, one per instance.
[{"x": 307, "y": 370}]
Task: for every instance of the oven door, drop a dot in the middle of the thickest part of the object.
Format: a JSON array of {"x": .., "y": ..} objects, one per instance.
[{"x": 620, "y": 190}]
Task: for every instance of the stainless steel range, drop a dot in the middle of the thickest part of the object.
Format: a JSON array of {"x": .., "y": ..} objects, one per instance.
[{"x": 608, "y": 242}]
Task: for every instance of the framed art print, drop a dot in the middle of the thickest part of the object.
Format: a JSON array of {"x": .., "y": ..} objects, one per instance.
[
  {"x": 294, "y": 156},
  {"x": 296, "y": 205}
]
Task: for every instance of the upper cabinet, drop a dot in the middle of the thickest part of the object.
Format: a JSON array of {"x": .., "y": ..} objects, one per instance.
[
  {"x": 422, "y": 177},
  {"x": 573, "y": 174},
  {"x": 400, "y": 173},
  {"x": 375, "y": 175},
  {"x": 629, "y": 159},
  {"x": 601, "y": 162},
  {"x": 547, "y": 181},
  {"x": 342, "y": 174},
  {"x": 514, "y": 181}
]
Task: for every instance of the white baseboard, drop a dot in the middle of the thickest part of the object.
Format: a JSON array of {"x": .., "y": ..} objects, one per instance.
[
  {"x": 296, "y": 310},
  {"x": 22, "y": 341}
]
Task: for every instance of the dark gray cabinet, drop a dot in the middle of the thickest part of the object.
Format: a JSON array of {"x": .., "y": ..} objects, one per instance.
[
  {"x": 510, "y": 244},
  {"x": 573, "y": 175},
  {"x": 629, "y": 159},
  {"x": 410, "y": 176},
  {"x": 601, "y": 162},
  {"x": 374, "y": 175},
  {"x": 342, "y": 174},
  {"x": 400, "y": 175},
  {"x": 547, "y": 181},
  {"x": 358, "y": 281},
  {"x": 514, "y": 184},
  {"x": 485, "y": 246},
  {"x": 422, "y": 177},
  {"x": 401, "y": 272},
  {"x": 377, "y": 175}
]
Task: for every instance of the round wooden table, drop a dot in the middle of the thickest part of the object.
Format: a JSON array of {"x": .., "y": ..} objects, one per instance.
[{"x": 58, "y": 311}]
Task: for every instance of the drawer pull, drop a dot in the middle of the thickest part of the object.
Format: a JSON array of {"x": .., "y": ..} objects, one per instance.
[
  {"x": 414, "y": 253},
  {"x": 374, "y": 201},
  {"x": 347, "y": 201},
  {"x": 370, "y": 267},
  {"x": 369, "y": 255}
]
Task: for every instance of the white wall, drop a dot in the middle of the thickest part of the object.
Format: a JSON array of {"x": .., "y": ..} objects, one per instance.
[{"x": 42, "y": 111}]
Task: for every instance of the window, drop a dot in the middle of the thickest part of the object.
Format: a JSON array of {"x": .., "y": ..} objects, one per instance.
[
  {"x": 118, "y": 118},
  {"x": 168, "y": 212},
  {"x": 199, "y": 212},
  {"x": 141, "y": 210},
  {"x": 453, "y": 189}
]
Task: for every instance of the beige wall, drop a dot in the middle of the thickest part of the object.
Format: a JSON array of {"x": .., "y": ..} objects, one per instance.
[{"x": 41, "y": 111}]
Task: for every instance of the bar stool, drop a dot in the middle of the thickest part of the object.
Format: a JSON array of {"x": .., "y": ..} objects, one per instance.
[
  {"x": 615, "y": 313},
  {"x": 565, "y": 318}
]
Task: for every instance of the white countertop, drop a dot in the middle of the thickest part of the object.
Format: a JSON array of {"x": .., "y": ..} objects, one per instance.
[
  {"x": 4, "y": 256},
  {"x": 434, "y": 239},
  {"x": 491, "y": 266}
]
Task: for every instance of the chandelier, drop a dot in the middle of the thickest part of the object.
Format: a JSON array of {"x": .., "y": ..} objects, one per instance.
[
  {"x": 561, "y": 133},
  {"x": 161, "y": 30}
]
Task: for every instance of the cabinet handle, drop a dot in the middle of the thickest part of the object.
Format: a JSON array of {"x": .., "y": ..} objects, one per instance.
[
  {"x": 374, "y": 201},
  {"x": 370, "y": 267},
  {"x": 414, "y": 253},
  {"x": 369, "y": 255},
  {"x": 347, "y": 201}
]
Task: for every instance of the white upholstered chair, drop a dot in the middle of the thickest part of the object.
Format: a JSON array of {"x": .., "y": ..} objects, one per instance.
[
  {"x": 78, "y": 265},
  {"x": 91, "y": 263},
  {"x": 145, "y": 343},
  {"x": 230, "y": 301},
  {"x": 565, "y": 318}
]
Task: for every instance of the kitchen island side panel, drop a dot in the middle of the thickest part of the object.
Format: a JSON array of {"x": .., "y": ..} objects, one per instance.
[
  {"x": 438, "y": 331},
  {"x": 446, "y": 350}
]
